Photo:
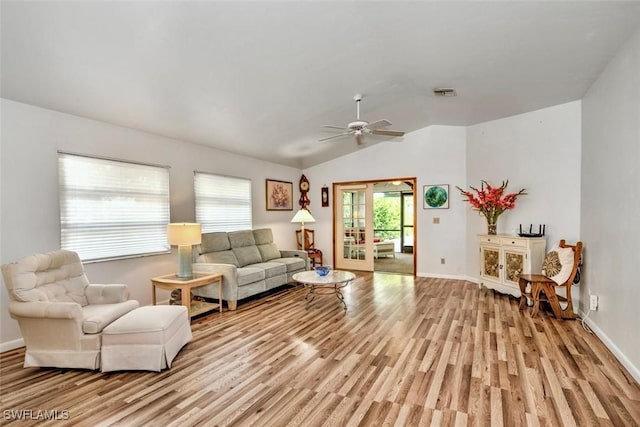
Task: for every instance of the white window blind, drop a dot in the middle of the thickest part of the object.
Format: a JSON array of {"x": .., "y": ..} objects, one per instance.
[
  {"x": 112, "y": 209},
  {"x": 223, "y": 203}
]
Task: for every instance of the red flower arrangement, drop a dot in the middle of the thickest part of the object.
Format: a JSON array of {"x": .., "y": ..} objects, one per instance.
[{"x": 491, "y": 201}]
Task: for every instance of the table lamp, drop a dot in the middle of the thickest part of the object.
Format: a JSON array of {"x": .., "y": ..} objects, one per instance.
[
  {"x": 302, "y": 216},
  {"x": 184, "y": 235}
]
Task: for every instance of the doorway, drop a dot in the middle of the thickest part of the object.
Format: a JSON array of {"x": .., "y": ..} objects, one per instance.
[
  {"x": 393, "y": 222},
  {"x": 374, "y": 225}
]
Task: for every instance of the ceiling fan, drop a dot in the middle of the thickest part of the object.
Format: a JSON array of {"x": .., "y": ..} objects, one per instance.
[{"x": 359, "y": 128}]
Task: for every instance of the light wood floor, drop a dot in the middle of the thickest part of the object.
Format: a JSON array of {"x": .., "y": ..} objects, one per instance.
[{"x": 406, "y": 352}]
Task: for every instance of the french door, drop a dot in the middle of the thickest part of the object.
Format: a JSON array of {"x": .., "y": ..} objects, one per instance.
[{"x": 354, "y": 226}]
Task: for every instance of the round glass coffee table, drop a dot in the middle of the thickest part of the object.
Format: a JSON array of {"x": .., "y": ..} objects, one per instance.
[{"x": 332, "y": 283}]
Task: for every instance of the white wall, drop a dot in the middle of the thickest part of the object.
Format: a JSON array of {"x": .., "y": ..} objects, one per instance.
[
  {"x": 29, "y": 224},
  {"x": 538, "y": 151},
  {"x": 610, "y": 206},
  {"x": 434, "y": 155}
]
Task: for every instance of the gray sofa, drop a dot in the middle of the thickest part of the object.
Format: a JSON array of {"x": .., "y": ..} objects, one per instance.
[{"x": 250, "y": 263}]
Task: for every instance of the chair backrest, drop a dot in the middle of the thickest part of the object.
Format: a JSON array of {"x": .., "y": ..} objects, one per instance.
[
  {"x": 309, "y": 239},
  {"x": 577, "y": 254},
  {"x": 56, "y": 276}
]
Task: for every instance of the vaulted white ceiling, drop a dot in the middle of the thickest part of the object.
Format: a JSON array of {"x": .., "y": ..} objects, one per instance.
[{"x": 261, "y": 78}]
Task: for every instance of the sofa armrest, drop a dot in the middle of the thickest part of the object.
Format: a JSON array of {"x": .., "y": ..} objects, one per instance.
[
  {"x": 294, "y": 254},
  {"x": 229, "y": 280},
  {"x": 106, "y": 294},
  {"x": 229, "y": 271},
  {"x": 46, "y": 310}
]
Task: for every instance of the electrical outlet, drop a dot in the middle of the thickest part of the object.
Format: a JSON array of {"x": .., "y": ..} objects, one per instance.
[
  {"x": 593, "y": 302},
  {"x": 436, "y": 220},
  {"x": 442, "y": 260}
]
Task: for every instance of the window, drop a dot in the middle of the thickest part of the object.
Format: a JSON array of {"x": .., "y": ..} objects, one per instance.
[
  {"x": 112, "y": 209},
  {"x": 223, "y": 203}
]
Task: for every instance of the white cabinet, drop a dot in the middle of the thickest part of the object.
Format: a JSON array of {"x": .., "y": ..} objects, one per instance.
[{"x": 503, "y": 258}]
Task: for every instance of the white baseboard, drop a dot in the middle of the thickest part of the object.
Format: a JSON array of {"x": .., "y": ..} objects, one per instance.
[
  {"x": 622, "y": 358},
  {"x": 441, "y": 276},
  {"x": 10, "y": 345}
]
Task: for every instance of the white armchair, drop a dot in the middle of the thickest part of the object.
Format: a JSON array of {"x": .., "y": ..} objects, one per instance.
[{"x": 61, "y": 315}]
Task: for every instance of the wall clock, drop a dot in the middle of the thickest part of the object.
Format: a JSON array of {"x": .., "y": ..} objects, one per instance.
[{"x": 304, "y": 189}]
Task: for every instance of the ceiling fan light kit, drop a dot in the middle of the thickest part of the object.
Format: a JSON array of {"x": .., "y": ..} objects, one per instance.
[{"x": 359, "y": 128}]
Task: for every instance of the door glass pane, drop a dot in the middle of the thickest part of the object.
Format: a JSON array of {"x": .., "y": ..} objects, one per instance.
[
  {"x": 408, "y": 209},
  {"x": 386, "y": 219},
  {"x": 407, "y": 225},
  {"x": 353, "y": 223}
]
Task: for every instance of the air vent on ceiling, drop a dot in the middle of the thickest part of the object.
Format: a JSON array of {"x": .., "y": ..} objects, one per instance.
[{"x": 444, "y": 91}]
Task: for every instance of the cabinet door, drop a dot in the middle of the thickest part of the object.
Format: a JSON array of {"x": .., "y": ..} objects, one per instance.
[
  {"x": 514, "y": 265},
  {"x": 490, "y": 263}
]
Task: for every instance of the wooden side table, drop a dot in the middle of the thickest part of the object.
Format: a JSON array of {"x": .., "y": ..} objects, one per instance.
[
  {"x": 172, "y": 282},
  {"x": 542, "y": 285}
]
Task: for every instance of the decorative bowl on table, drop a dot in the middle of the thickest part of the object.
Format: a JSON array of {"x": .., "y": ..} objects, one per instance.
[{"x": 322, "y": 271}]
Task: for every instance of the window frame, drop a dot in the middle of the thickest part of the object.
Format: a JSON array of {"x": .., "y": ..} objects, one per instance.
[
  {"x": 112, "y": 197},
  {"x": 209, "y": 225}
]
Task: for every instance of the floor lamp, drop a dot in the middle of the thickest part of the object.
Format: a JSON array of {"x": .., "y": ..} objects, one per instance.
[
  {"x": 302, "y": 216},
  {"x": 184, "y": 235}
]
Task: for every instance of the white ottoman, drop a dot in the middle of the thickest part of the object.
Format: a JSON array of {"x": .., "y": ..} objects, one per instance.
[{"x": 145, "y": 339}]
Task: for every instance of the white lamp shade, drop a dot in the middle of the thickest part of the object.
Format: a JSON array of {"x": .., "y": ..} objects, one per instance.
[
  {"x": 184, "y": 234},
  {"x": 303, "y": 216}
]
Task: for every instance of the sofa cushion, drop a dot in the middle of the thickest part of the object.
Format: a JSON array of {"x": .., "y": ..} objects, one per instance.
[
  {"x": 269, "y": 251},
  {"x": 248, "y": 275},
  {"x": 275, "y": 281},
  {"x": 244, "y": 247},
  {"x": 263, "y": 236},
  {"x": 97, "y": 316},
  {"x": 222, "y": 257},
  {"x": 271, "y": 269},
  {"x": 293, "y": 263},
  {"x": 251, "y": 289},
  {"x": 241, "y": 239},
  {"x": 214, "y": 242},
  {"x": 247, "y": 255}
]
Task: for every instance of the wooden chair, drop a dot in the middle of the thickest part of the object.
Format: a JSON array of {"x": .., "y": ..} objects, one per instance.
[
  {"x": 544, "y": 289},
  {"x": 309, "y": 245}
]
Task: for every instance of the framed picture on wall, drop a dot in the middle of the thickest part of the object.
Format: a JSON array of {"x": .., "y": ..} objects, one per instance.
[
  {"x": 435, "y": 196},
  {"x": 279, "y": 195},
  {"x": 325, "y": 196}
]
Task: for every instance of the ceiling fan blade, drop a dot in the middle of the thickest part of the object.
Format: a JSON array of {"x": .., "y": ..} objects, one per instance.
[
  {"x": 379, "y": 124},
  {"x": 334, "y": 127},
  {"x": 335, "y": 136},
  {"x": 387, "y": 132},
  {"x": 360, "y": 139}
]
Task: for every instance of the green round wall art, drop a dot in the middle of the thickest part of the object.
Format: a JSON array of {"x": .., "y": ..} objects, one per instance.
[{"x": 436, "y": 196}]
